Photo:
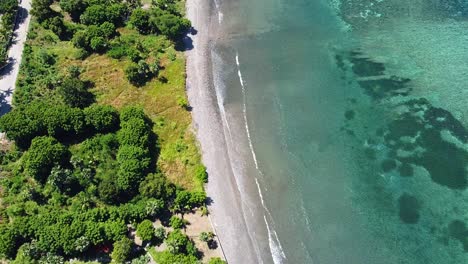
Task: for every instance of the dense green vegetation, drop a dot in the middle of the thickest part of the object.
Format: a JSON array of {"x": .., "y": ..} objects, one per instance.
[
  {"x": 82, "y": 173},
  {"x": 8, "y": 10}
]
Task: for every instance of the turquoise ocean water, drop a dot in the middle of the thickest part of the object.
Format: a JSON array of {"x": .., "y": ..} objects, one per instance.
[{"x": 357, "y": 121}]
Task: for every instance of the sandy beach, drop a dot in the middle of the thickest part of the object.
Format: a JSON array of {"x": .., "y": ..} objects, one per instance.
[{"x": 226, "y": 207}]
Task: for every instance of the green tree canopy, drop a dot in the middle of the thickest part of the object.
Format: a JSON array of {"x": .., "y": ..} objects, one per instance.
[
  {"x": 145, "y": 230},
  {"x": 157, "y": 186},
  {"x": 179, "y": 243},
  {"x": 169, "y": 24},
  {"x": 74, "y": 93},
  {"x": 140, "y": 20},
  {"x": 122, "y": 250},
  {"x": 102, "y": 118},
  {"x": 73, "y": 7},
  {"x": 44, "y": 153},
  {"x": 41, "y": 9}
]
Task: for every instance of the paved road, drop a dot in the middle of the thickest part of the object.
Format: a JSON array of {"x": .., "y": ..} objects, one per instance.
[{"x": 10, "y": 73}]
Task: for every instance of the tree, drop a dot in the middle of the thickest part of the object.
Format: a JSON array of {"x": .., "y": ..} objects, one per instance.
[
  {"x": 179, "y": 243},
  {"x": 41, "y": 9},
  {"x": 115, "y": 230},
  {"x": 74, "y": 93},
  {"x": 186, "y": 200},
  {"x": 94, "y": 15},
  {"x": 102, "y": 118},
  {"x": 7, "y": 242},
  {"x": 98, "y": 44},
  {"x": 98, "y": 14},
  {"x": 139, "y": 73},
  {"x": 62, "y": 120},
  {"x": 145, "y": 230},
  {"x": 23, "y": 125},
  {"x": 134, "y": 132},
  {"x": 122, "y": 250},
  {"x": 176, "y": 222},
  {"x": 154, "y": 207},
  {"x": 73, "y": 7},
  {"x": 156, "y": 186},
  {"x": 107, "y": 29},
  {"x": 108, "y": 191},
  {"x": 56, "y": 25},
  {"x": 131, "y": 112},
  {"x": 133, "y": 165},
  {"x": 169, "y": 24},
  {"x": 166, "y": 257},
  {"x": 80, "y": 40},
  {"x": 140, "y": 20},
  {"x": 44, "y": 153}
]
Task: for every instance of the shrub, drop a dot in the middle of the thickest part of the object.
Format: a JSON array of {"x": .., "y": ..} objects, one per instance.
[
  {"x": 56, "y": 25},
  {"x": 156, "y": 185},
  {"x": 160, "y": 234},
  {"x": 169, "y": 24},
  {"x": 186, "y": 200},
  {"x": 117, "y": 52},
  {"x": 8, "y": 240},
  {"x": 216, "y": 261},
  {"x": 140, "y": 20},
  {"x": 74, "y": 92},
  {"x": 98, "y": 44},
  {"x": 145, "y": 230},
  {"x": 102, "y": 118},
  {"x": 200, "y": 173},
  {"x": 179, "y": 243},
  {"x": 143, "y": 259},
  {"x": 128, "y": 113},
  {"x": 134, "y": 132},
  {"x": 167, "y": 257},
  {"x": 182, "y": 102},
  {"x": 98, "y": 14},
  {"x": 176, "y": 222},
  {"x": 43, "y": 154},
  {"x": 107, "y": 29},
  {"x": 41, "y": 9},
  {"x": 108, "y": 191},
  {"x": 73, "y": 7},
  {"x": 206, "y": 236},
  {"x": 122, "y": 250}
]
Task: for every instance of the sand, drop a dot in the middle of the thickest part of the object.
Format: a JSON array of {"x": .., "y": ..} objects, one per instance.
[{"x": 226, "y": 207}]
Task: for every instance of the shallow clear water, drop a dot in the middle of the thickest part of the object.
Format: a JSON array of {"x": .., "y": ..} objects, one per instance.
[{"x": 356, "y": 115}]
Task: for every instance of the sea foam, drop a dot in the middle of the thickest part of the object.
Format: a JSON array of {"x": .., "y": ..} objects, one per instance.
[{"x": 276, "y": 249}]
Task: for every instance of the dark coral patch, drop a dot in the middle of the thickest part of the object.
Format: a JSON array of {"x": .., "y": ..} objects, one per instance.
[
  {"x": 406, "y": 170},
  {"x": 457, "y": 230},
  {"x": 409, "y": 209},
  {"x": 349, "y": 115},
  {"x": 364, "y": 67},
  {"x": 388, "y": 165}
]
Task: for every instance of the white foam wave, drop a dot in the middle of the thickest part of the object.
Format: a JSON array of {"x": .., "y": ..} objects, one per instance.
[
  {"x": 276, "y": 249},
  {"x": 277, "y": 252},
  {"x": 244, "y": 110},
  {"x": 220, "y": 14},
  {"x": 235, "y": 169}
]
